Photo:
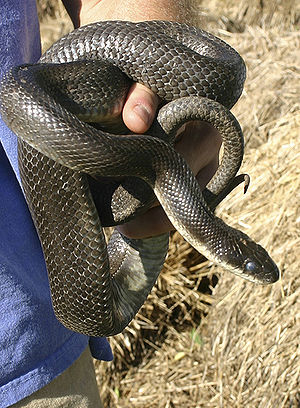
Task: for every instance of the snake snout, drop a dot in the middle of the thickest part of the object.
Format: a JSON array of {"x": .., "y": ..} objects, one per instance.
[
  {"x": 262, "y": 273},
  {"x": 258, "y": 265}
]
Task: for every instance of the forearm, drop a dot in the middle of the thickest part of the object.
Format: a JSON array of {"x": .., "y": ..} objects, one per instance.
[{"x": 87, "y": 11}]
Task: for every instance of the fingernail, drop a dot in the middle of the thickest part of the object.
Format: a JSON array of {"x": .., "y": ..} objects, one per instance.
[{"x": 143, "y": 114}]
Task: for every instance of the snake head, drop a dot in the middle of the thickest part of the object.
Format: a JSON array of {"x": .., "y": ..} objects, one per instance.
[{"x": 253, "y": 262}]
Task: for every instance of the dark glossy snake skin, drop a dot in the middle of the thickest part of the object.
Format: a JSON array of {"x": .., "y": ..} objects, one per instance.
[{"x": 65, "y": 163}]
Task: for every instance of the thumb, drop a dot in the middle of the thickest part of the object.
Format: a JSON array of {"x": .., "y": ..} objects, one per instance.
[{"x": 140, "y": 108}]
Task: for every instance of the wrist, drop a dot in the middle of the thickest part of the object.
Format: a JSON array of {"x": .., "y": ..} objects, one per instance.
[{"x": 132, "y": 10}]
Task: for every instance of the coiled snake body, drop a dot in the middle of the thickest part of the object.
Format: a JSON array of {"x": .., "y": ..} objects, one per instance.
[{"x": 65, "y": 162}]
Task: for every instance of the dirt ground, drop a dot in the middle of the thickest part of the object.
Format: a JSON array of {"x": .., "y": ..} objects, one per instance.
[{"x": 205, "y": 338}]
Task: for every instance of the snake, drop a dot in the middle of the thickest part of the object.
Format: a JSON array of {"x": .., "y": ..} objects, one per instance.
[{"x": 79, "y": 176}]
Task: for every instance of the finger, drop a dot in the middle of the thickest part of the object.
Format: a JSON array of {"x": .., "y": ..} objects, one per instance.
[
  {"x": 206, "y": 173},
  {"x": 199, "y": 145},
  {"x": 140, "y": 108},
  {"x": 153, "y": 222}
]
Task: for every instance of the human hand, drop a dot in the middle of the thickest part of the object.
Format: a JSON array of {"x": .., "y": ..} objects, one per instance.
[{"x": 198, "y": 142}]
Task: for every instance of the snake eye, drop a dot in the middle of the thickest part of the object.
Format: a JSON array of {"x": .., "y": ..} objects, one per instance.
[{"x": 250, "y": 266}]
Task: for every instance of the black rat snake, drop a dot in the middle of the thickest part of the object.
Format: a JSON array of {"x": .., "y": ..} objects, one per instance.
[{"x": 66, "y": 164}]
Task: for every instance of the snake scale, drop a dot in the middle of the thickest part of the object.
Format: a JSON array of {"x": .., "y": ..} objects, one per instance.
[{"x": 71, "y": 167}]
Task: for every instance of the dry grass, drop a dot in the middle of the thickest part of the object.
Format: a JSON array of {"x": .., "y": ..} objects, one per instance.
[{"x": 205, "y": 338}]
